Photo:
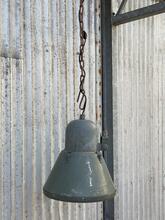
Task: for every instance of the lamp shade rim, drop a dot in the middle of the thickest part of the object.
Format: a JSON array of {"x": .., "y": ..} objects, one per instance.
[{"x": 81, "y": 199}]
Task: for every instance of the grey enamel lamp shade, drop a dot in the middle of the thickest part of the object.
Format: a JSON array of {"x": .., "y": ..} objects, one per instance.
[{"x": 80, "y": 173}]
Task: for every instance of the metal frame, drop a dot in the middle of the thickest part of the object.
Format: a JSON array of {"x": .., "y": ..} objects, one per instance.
[
  {"x": 106, "y": 26},
  {"x": 107, "y": 21},
  {"x": 121, "y": 7},
  {"x": 137, "y": 14}
]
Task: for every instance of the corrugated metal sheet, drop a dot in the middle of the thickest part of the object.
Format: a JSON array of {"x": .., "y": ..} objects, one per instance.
[
  {"x": 39, "y": 79},
  {"x": 139, "y": 122},
  {"x": 133, "y": 5}
]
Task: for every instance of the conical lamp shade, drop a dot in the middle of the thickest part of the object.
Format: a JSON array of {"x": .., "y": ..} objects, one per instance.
[{"x": 80, "y": 174}]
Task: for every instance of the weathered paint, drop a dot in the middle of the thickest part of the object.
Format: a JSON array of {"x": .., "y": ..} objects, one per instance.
[
  {"x": 39, "y": 79},
  {"x": 139, "y": 125}
]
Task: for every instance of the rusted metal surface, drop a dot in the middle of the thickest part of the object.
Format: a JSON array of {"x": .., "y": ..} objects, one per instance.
[
  {"x": 139, "y": 125},
  {"x": 38, "y": 92}
]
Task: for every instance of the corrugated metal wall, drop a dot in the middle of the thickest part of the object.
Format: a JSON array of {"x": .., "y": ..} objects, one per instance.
[
  {"x": 132, "y": 5},
  {"x": 39, "y": 79},
  {"x": 139, "y": 117}
]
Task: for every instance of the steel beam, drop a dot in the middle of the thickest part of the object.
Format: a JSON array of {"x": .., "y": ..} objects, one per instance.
[
  {"x": 137, "y": 14},
  {"x": 122, "y": 5},
  {"x": 106, "y": 30}
]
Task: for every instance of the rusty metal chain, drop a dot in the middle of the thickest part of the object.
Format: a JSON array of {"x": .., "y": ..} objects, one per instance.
[{"x": 82, "y": 98}]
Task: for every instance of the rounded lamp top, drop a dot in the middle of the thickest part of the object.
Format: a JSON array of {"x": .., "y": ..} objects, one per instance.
[{"x": 81, "y": 136}]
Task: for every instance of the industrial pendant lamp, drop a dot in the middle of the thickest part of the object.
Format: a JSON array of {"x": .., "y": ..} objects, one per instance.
[{"x": 80, "y": 173}]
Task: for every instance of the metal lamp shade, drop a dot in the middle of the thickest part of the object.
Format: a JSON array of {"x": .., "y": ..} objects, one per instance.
[{"x": 80, "y": 173}]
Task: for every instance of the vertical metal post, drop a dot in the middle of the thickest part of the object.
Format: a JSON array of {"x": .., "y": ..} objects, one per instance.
[{"x": 106, "y": 29}]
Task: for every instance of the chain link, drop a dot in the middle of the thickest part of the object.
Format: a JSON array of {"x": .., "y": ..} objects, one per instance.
[{"x": 82, "y": 98}]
